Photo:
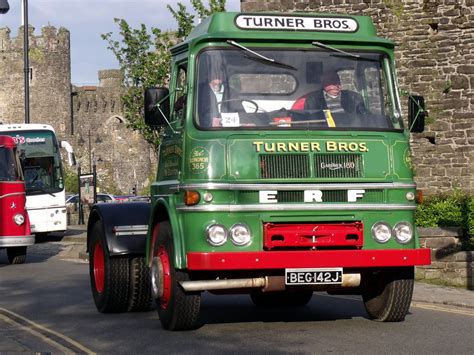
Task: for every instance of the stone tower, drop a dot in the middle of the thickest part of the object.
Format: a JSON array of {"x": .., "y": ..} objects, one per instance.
[{"x": 50, "y": 78}]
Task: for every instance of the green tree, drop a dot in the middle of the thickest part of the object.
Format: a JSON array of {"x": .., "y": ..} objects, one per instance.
[
  {"x": 71, "y": 181},
  {"x": 145, "y": 58}
]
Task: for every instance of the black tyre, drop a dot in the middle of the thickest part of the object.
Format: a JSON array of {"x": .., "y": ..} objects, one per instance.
[
  {"x": 178, "y": 310},
  {"x": 140, "y": 298},
  {"x": 281, "y": 299},
  {"x": 16, "y": 255},
  {"x": 388, "y": 294},
  {"x": 109, "y": 276}
]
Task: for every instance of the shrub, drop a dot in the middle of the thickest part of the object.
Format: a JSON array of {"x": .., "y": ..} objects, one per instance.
[{"x": 446, "y": 210}]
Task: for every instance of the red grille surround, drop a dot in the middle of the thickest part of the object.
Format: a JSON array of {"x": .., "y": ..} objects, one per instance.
[{"x": 313, "y": 235}]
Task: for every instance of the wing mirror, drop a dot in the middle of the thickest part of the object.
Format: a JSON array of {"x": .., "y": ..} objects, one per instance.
[
  {"x": 157, "y": 106},
  {"x": 416, "y": 113}
]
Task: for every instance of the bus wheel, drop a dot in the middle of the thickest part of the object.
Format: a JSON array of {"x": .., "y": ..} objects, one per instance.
[
  {"x": 388, "y": 294},
  {"x": 284, "y": 298},
  {"x": 109, "y": 277},
  {"x": 140, "y": 298},
  {"x": 177, "y": 309},
  {"x": 16, "y": 255}
]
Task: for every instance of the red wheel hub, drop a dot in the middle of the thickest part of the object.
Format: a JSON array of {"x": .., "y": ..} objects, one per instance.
[
  {"x": 165, "y": 263},
  {"x": 99, "y": 267}
]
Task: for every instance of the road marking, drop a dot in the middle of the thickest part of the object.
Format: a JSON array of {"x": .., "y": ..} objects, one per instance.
[
  {"x": 466, "y": 312},
  {"x": 62, "y": 342}
]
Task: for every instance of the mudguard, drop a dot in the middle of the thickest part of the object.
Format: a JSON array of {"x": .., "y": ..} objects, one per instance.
[{"x": 131, "y": 218}]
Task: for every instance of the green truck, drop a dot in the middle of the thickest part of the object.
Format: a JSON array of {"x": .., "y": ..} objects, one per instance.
[{"x": 284, "y": 169}]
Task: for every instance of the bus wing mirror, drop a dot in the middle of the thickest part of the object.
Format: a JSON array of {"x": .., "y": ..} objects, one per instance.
[
  {"x": 70, "y": 153},
  {"x": 157, "y": 106},
  {"x": 416, "y": 113}
]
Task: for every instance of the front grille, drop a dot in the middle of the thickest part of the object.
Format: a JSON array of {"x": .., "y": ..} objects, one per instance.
[
  {"x": 338, "y": 166},
  {"x": 297, "y": 196},
  {"x": 281, "y": 166}
]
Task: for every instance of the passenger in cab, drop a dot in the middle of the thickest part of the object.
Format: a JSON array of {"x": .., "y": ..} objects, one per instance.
[{"x": 332, "y": 98}]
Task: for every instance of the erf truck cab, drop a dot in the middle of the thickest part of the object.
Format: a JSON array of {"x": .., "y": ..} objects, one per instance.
[
  {"x": 15, "y": 234},
  {"x": 268, "y": 182}
]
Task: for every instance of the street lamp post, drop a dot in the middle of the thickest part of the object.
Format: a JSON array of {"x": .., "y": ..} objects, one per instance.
[
  {"x": 4, "y": 7},
  {"x": 26, "y": 61}
]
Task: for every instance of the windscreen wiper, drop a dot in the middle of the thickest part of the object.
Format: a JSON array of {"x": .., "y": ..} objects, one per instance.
[
  {"x": 325, "y": 46},
  {"x": 260, "y": 57},
  {"x": 342, "y": 53}
]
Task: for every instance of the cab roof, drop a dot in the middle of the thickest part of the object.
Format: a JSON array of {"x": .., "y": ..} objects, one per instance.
[{"x": 294, "y": 27}]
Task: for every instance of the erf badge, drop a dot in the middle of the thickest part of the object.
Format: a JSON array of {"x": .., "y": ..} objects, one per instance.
[{"x": 199, "y": 160}]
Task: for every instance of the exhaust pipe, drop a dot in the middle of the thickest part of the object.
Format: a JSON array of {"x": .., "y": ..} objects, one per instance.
[{"x": 266, "y": 283}]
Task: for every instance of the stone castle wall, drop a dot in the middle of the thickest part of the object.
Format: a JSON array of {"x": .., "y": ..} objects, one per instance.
[
  {"x": 435, "y": 58},
  {"x": 50, "y": 79},
  {"x": 123, "y": 159}
]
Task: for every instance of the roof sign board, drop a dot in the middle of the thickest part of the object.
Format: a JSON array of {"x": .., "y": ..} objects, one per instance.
[{"x": 296, "y": 23}]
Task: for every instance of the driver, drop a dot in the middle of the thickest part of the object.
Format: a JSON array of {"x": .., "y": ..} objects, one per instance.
[{"x": 210, "y": 97}]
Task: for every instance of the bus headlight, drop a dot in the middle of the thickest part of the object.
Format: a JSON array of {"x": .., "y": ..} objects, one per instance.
[
  {"x": 403, "y": 232},
  {"x": 381, "y": 232},
  {"x": 19, "y": 219},
  {"x": 216, "y": 234},
  {"x": 240, "y": 234}
]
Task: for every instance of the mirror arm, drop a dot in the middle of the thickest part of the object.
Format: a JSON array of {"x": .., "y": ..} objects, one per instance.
[
  {"x": 420, "y": 110},
  {"x": 158, "y": 106}
]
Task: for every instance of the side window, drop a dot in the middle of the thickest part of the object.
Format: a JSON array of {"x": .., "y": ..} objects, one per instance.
[
  {"x": 375, "y": 93},
  {"x": 181, "y": 93}
]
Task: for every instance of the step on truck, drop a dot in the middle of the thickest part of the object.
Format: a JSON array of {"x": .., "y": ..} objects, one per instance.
[{"x": 268, "y": 183}]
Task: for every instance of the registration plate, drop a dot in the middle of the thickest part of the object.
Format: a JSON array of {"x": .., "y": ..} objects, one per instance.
[{"x": 331, "y": 276}]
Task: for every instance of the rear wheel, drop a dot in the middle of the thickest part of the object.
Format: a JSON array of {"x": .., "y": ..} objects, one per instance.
[
  {"x": 284, "y": 298},
  {"x": 109, "y": 277},
  {"x": 16, "y": 255},
  {"x": 140, "y": 298},
  {"x": 178, "y": 310},
  {"x": 388, "y": 294}
]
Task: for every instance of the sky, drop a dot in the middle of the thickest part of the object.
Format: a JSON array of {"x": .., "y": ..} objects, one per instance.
[{"x": 87, "y": 20}]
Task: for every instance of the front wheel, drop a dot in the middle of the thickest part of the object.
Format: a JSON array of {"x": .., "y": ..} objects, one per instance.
[
  {"x": 16, "y": 255},
  {"x": 388, "y": 294},
  {"x": 109, "y": 277},
  {"x": 177, "y": 309}
]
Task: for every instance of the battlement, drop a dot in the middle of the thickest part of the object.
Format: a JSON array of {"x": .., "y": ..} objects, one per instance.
[
  {"x": 112, "y": 78},
  {"x": 51, "y": 39}
]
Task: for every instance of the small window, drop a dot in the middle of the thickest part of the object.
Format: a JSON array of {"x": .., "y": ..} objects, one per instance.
[
  {"x": 180, "y": 97},
  {"x": 266, "y": 84}
]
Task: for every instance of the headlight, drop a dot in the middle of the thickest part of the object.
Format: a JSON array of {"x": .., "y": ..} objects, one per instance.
[
  {"x": 216, "y": 234},
  {"x": 403, "y": 232},
  {"x": 240, "y": 234},
  {"x": 19, "y": 219},
  {"x": 381, "y": 232}
]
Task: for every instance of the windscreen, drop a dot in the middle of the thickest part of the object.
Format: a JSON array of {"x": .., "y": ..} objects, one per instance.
[
  {"x": 9, "y": 166},
  {"x": 40, "y": 159},
  {"x": 295, "y": 89}
]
